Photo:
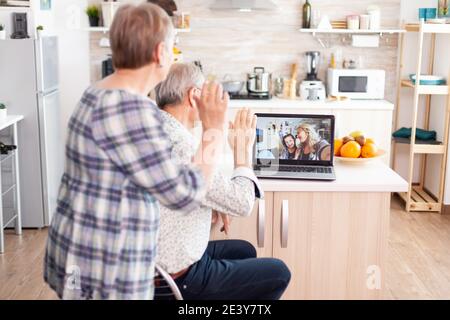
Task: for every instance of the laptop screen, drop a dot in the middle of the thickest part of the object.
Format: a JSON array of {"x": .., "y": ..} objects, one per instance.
[{"x": 291, "y": 139}]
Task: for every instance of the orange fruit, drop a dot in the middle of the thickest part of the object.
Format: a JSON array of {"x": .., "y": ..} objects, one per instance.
[
  {"x": 337, "y": 146},
  {"x": 369, "y": 150},
  {"x": 351, "y": 149},
  {"x": 370, "y": 140}
]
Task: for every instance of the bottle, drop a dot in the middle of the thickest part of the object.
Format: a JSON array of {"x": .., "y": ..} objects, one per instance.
[
  {"x": 306, "y": 24},
  {"x": 332, "y": 61},
  {"x": 5, "y": 149}
]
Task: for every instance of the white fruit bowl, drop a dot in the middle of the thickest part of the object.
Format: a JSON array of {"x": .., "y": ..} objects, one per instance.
[{"x": 380, "y": 154}]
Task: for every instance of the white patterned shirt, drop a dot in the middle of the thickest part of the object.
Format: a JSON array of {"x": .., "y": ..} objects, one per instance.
[{"x": 183, "y": 238}]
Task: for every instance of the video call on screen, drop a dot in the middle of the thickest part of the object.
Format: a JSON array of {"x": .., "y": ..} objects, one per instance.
[{"x": 293, "y": 139}]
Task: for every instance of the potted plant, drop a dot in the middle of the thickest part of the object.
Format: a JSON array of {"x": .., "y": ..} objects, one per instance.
[
  {"x": 3, "y": 112},
  {"x": 93, "y": 13},
  {"x": 2, "y": 32},
  {"x": 39, "y": 31}
]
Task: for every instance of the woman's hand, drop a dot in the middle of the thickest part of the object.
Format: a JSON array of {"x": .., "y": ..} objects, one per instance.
[
  {"x": 212, "y": 106},
  {"x": 226, "y": 219},
  {"x": 242, "y": 136}
]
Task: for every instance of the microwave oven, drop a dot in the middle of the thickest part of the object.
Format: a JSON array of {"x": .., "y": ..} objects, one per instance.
[{"x": 364, "y": 84}]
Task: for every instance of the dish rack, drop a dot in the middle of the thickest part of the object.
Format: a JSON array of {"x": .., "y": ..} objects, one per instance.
[{"x": 418, "y": 197}]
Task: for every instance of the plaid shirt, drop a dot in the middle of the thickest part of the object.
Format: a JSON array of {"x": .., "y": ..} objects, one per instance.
[{"x": 103, "y": 236}]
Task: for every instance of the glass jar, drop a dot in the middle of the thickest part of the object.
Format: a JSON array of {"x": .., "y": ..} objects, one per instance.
[{"x": 353, "y": 22}]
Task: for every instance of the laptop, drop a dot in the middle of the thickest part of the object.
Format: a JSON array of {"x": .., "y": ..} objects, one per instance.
[{"x": 294, "y": 146}]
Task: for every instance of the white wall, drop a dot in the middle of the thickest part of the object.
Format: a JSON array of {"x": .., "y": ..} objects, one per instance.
[{"x": 409, "y": 13}]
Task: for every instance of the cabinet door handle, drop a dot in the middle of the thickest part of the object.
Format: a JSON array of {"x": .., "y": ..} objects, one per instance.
[
  {"x": 261, "y": 223},
  {"x": 284, "y": 223}
]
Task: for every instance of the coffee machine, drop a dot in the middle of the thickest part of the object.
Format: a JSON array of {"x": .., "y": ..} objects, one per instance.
[
  {"x": 312, "y": 88},
  {"x": 20, "y": 25}
]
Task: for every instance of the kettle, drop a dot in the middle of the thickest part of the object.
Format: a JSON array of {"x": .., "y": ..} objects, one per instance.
[{"x": 259, "y": 82}]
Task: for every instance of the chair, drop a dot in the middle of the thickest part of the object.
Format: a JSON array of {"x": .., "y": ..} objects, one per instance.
[{"x": 165, "y": 286}]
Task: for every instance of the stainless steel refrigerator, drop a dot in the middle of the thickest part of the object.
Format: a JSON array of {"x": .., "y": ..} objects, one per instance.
[{"x": 29, "y": 85}]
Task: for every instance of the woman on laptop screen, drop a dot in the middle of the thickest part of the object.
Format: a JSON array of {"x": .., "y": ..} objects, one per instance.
[{"x": 311, "y": 145}]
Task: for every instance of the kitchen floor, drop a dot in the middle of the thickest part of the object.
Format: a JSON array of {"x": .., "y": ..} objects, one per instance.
[{"x": 418, "y": 261}]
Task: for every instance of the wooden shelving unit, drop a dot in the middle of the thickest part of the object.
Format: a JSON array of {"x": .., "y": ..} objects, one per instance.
[{"x": 418, "y": 197}]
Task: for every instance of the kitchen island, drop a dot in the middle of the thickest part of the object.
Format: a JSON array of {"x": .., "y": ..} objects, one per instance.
[{"x": 332, "y": 235}]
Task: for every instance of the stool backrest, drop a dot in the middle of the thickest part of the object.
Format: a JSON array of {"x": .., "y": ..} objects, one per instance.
[{"x": 164, "y": 280}]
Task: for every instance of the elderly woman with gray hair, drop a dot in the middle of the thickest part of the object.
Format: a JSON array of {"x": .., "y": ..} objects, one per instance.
[
  {"x": 119, "y": 169},
  {"x": 218, "y": 269}
]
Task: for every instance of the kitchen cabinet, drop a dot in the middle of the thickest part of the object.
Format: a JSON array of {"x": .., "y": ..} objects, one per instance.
[
  {"x": 256, "y": 229},
  {"x": 333, "y": 236},
  {"x": 331, "y": 242}
]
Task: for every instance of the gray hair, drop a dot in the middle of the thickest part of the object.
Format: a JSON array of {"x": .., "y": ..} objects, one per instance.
[{"x": 182, "y": 77}]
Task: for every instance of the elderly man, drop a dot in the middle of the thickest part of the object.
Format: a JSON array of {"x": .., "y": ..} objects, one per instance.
[{"x": 218, "y": 269}]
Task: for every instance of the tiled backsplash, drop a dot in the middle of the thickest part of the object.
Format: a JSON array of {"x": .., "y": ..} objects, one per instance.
[{"x": 232, "y": 42}]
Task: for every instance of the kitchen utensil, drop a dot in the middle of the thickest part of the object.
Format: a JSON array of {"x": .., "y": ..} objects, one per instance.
[
  {"x": 279, "y": 86},
  {"x": 231, "y": 86},
  {"x": 312, "y": 88},
  {"x": 181, "y": 20},
  {"x": 428, "y": 80},
  {"x": 324, "y": 23},
  {"x": 380, "y": 154},
  {"x": 293, "y": 82},
  {"x": 353, "y": 22},
  {"x": 259, "y": 82},
  {"x": 364, "y": 22},
  {"x": 312, "y": 65},
  {"x": 315, "y": 18},
  {"x": 375, "y": 17}
]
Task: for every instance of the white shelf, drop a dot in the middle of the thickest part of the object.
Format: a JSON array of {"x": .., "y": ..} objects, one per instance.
[
  {"x": 16, "y": 9},
  {"x": 349, "y": 31},
  {"x": 106, "y": 29}
]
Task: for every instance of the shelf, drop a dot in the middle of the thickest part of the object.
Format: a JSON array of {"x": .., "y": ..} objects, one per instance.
[
  {"x": 348, "y": 31},
  {"x": 428, "y": 27},
  {"x": 426, "y": 89},
  {"x": 9, "y": 222},
  {"x": 5, "y": 157},
  {"x": 13, "y": 187},
  {"x": 106, "y": 30},
  {"x": 421, "y": 200},
  {"x": 423, "y": 147}
]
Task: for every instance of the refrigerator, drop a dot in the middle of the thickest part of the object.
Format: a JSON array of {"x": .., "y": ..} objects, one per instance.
[{"x": 29, "y": 85}]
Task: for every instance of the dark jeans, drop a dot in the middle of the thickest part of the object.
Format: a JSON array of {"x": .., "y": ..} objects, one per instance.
[{"x": 229, "y": 270}]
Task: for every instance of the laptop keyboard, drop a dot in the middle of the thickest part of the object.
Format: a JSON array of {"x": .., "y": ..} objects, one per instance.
[{"x": 308, "y": 169}]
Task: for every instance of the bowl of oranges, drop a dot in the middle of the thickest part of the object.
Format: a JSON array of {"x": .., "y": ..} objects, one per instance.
[{"x": 356, "y": 148}]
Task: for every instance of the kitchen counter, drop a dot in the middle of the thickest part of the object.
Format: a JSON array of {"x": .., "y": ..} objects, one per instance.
[
  {"x": 299, "y": 104},
  {"x": 333, "y": 236},
  {"x": 369, "y": 177},
  {"x": 373, "y": 117}
]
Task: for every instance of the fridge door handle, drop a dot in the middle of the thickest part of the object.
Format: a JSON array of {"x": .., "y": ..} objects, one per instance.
[
  {"x": 261, "y": 223},
  {"x": 284, "y": 223}
]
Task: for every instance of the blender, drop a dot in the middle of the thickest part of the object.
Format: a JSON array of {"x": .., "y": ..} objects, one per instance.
[{"x": 312, "y": 88}]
